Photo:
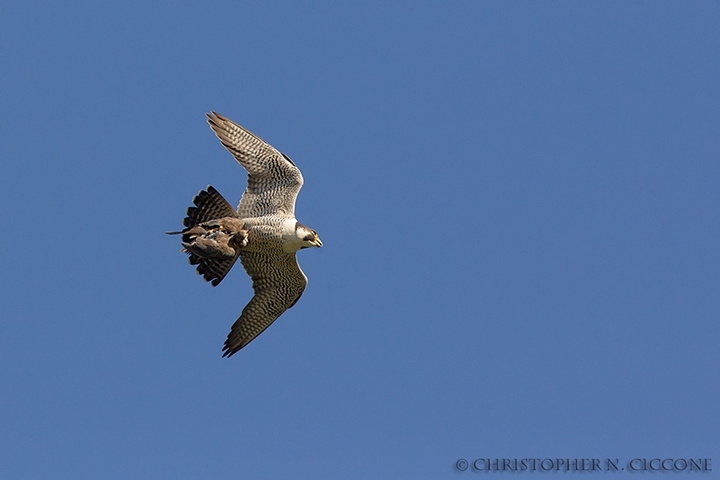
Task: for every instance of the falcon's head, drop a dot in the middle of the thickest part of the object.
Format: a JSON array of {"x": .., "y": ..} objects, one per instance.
[{"x": 308, "y": 236}]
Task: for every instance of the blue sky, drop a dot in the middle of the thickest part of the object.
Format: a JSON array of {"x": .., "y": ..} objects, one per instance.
[{"x": 519, "y": 206}]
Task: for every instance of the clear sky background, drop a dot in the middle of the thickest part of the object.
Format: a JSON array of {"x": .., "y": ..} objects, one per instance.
[{"x": 519, "y": 205}]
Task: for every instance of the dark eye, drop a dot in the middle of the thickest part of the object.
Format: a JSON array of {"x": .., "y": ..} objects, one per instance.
[{"x": 308, "y": 238}]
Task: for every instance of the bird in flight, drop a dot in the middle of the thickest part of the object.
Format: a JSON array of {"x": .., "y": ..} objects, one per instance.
[{"x": 263, "y": 232}]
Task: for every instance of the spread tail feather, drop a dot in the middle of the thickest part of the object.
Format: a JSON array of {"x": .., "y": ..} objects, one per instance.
[{"x": 208, "y": 205}]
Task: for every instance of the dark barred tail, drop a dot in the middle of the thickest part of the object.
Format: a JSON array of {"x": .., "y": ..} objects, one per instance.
[
  {"x": 209, "y": 205},
  {"x": 212, "y": 270}
]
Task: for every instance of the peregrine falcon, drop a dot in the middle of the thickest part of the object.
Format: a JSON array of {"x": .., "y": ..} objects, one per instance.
[{"x": 262, "y": 232}]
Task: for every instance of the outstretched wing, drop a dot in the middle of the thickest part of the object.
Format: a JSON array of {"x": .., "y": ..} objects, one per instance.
[
  {"x": 273, "y": 179},
  {"x": 278, "y": 283},
  {"x": 209, "y": 205}
]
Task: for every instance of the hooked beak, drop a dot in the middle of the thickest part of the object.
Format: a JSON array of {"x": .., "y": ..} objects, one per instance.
[{"x": 317, "y": 241}]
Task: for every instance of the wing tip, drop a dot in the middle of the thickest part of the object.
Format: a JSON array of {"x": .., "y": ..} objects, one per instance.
[
  {"x": 229, "y": 351},
  {"x": 216, "y": 120}
]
